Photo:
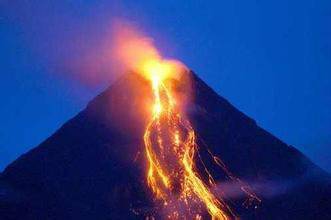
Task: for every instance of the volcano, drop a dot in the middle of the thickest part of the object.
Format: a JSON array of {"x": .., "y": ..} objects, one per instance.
[{"x": 94, "y": 166}]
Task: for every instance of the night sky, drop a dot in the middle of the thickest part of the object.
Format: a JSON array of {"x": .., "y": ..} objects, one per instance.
[{"x": 271, "y": 59}]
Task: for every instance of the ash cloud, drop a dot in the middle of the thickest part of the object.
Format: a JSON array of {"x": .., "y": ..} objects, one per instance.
[{"x": 73, "y": 40}]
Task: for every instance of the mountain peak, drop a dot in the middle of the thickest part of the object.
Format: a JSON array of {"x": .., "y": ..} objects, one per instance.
[{"x": 93, "y": 167}]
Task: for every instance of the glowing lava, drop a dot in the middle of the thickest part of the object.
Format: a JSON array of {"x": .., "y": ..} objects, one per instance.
[
  {"x": 170, "y": 141},
  {"x": 170, "y": 144}
]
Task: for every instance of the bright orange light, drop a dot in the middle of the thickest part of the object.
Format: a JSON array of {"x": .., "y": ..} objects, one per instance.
[
  {"x": 135, "y": 51},
  {"x": 159, "y": 70}
]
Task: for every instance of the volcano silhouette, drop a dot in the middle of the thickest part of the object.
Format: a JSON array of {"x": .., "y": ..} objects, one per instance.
[{"x": 94, "y": 166}]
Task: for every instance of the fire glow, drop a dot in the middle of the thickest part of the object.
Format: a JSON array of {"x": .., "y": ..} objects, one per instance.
[{"x": 170, "y": 140}]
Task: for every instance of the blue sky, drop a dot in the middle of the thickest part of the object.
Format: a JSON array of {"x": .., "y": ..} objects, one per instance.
[{"x": 271, "y": 59}]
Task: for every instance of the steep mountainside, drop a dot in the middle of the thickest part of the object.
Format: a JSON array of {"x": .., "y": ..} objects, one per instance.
[{"x": 93, "y": 167}]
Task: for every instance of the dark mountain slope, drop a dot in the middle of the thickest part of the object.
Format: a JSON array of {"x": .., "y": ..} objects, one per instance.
[{"x": 93, "y": 167}]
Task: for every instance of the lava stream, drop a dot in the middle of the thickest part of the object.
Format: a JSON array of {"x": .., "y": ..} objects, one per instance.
[{"x": 170, "y": 144}]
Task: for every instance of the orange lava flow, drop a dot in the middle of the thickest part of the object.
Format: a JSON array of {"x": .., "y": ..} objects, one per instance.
[
  {"x": 170, "y": 144},
  {"x": 184, "y": 187}
]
